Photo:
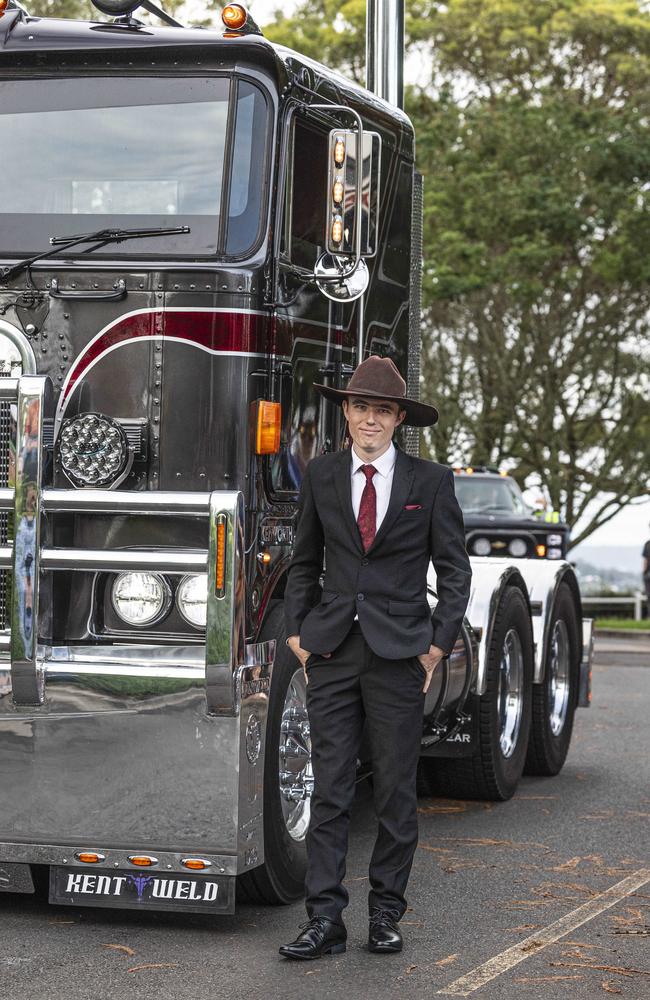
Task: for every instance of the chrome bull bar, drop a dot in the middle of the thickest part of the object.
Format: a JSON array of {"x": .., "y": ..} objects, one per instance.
[{"x": 31, "y": 561}]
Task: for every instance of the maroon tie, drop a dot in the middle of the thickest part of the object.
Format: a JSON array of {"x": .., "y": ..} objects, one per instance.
[{"x": 367, "y": 519}]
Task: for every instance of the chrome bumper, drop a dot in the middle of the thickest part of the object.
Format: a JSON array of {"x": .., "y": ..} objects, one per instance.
[{"x": 125, "y": 747}]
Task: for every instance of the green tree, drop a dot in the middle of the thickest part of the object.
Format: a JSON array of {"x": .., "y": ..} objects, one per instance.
[
  {"x": 537, "y": 291},
  {"x": 531, "y": 121}
]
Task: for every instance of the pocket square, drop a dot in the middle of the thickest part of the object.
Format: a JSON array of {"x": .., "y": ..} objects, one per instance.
[{"x": 413, "y": 506}]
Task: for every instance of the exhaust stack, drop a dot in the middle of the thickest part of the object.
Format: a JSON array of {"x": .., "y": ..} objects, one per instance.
[{"x": 385, "y": 49}]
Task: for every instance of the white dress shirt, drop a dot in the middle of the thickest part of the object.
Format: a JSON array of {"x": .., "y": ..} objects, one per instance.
[{"x": 382, "y": 481}]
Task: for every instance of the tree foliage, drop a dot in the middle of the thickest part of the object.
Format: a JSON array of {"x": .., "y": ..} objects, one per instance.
[{"x": 531, "y": 120}]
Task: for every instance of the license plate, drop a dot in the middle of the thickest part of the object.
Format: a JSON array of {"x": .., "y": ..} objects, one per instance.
[{"x": 135, "y": 890}]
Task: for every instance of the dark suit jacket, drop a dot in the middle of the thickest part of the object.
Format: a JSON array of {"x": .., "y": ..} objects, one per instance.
[{"x": 386, "y": 586}]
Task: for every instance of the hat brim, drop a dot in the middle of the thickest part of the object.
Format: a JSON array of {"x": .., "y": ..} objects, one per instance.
[{"x": 417, "y": 414}]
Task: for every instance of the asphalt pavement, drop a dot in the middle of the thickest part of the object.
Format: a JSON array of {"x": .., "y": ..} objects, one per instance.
[{"x": 547, "y": 895}]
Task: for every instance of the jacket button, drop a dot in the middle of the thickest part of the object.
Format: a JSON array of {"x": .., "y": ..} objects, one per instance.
[
  {"x": 360, "y": 597},
  {"x": 364, "y": 562}
]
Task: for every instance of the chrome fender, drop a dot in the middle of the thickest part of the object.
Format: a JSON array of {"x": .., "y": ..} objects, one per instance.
[
  {"x": 490, "y": 577},
  {"x": 543, "y": 578}
]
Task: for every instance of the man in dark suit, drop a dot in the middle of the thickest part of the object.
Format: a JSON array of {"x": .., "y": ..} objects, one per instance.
[{"x": 374, "y": 517}]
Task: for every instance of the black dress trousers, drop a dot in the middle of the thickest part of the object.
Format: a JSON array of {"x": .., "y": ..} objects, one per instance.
[{"x": 352, "y": 687}]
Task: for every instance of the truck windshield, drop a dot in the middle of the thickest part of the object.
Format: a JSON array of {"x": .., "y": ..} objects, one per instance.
[
  {"x": 131, "y": 152},
  {"x": 498, "y": 496}
]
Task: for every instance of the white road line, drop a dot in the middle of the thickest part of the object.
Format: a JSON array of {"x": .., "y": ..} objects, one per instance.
[{"x": 496, "y": 966}]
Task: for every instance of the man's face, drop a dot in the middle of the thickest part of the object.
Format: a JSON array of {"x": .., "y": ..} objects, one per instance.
[{"x": 372, "y": 423}]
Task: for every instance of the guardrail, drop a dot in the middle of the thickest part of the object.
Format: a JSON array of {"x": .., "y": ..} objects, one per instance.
[{"x": 634, "y": 601}]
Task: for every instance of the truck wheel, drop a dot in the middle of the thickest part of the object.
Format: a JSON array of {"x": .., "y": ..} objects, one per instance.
[
  {"x": 554, "y": 700},
  {"x": 288, "y": 779},
  {"x": 504, "y": 712}
]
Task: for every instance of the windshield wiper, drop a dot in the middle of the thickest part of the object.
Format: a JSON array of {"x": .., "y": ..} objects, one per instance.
[{"x": 101, "y": 237}]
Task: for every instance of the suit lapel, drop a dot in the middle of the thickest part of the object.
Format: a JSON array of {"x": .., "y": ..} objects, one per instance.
[
  {"x": 343, "y": 484},
  {"x": 402, "y": 481}
]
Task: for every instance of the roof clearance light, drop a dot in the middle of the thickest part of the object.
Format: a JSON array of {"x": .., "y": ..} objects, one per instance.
[
  {"x": 90, "y": 857},
  {"x": 234, "y": 16},
  {"x": 142, "y": 860},
  {"x": 469, "y": 470},
  {"x": 502, "y": 472},
  {"x": 339, "y": 151}
]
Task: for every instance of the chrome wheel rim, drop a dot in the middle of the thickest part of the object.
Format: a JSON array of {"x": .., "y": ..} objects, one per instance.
[
  {"x": 296, "y": 777},
  {"x": 559, "y": 672},
  {"x": 510, "y": 696}
]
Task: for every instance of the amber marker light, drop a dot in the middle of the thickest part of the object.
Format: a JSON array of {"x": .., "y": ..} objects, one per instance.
[
  {"x": 142, "y": 860},
  {"x": 234, "y": 16},
  {"x": 264, "y": 558},
  {"x": 90, "y": 857},
  {"x": 220, "y": 568},
  {"x": 337, "y": 229},
  {"x": 339, "y": 151},
  {"x": 3, "y": 6},
  {"x": 196, "y": 864},
  {"x": 541, "y": 551},
  {"x": 267, "y": 428},
  {"x": 469, "y": 470},
  {"x": 337, "y": 191}
]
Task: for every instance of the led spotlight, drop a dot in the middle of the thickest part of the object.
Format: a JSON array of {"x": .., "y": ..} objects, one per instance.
[
  {"x": 517, "y": 548},
  {"x": 94, "y": 450},
  {"x": 192, "y": 599},
  {"x": 141, "y": 598}
]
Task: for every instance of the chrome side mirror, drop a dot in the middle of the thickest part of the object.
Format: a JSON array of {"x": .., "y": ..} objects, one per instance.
[{"x": 337, "y": 281}]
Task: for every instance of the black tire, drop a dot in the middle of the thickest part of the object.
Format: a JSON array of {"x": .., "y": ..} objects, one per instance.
[
  {"x": 282, "y": 876},
  {"x": 492, "y": 774},
  {"x": 551, "y": 728}
]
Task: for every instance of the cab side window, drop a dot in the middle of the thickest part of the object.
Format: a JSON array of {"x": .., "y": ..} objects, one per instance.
[{"x": 305, "y": 217}]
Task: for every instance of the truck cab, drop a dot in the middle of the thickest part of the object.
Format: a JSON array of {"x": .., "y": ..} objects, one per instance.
[{"x": 499, "y": 522}]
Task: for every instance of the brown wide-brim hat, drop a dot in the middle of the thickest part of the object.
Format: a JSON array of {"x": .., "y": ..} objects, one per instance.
[{"x": 378, "y": 378}]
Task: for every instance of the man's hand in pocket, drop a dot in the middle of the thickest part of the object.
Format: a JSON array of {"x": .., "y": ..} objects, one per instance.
[
  {"x": 293, "y": 642},
  {"x": 430, "y": 661}
]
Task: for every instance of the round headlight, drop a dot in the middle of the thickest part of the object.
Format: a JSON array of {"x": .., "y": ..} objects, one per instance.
[
  {"x": 482, "y": 547},
  {"x": 94, "y": 450},
  {"x": 192, "y": 599},
  {"x": 141, "y": 598},
  {"x": 517, "y": 548}
]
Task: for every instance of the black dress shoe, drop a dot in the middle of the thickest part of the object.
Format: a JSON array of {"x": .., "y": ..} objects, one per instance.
[
  {"x": 319, "y": 936},
  {"x": 383, "y": 933}
]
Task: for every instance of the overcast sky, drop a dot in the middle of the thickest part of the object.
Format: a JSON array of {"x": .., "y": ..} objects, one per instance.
[{"x": 630, "y": 527}]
